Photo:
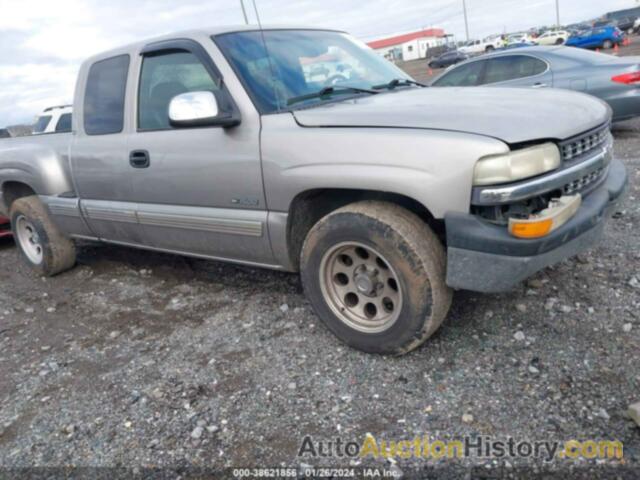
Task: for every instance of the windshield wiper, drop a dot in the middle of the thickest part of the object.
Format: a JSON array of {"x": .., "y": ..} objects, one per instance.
[
  {"x": 327, "y": 92},
  {"x": 398, "y": 82}
]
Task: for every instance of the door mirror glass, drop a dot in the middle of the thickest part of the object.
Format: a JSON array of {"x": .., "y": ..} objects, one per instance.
[{"x": 194, "y": 109}]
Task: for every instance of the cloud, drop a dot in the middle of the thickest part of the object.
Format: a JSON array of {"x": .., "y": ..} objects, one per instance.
[{"x": 44, "y": 42}]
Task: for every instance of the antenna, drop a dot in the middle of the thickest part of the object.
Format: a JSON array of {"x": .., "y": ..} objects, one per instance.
[
  {"x": 244, "y": 12},
  {"x": 266, "y": 49},
  {"x": 255, "y": 9}
]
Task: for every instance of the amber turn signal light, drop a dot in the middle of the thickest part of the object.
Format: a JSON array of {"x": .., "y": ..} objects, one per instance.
[
  {"x": 559, "y": 211},
  {"x": 531, "y": 229}
]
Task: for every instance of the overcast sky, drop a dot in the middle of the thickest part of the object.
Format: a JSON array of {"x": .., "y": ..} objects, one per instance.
[{"x": 43, "y": 42}]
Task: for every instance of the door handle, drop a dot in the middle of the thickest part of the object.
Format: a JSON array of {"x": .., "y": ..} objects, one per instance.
[
  {"x": 540, "y": 85},
  {"x": 139, "y": 159}
]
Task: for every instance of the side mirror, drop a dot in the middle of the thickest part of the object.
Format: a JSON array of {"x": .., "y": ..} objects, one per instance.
[{"x": 200, "y": 109}]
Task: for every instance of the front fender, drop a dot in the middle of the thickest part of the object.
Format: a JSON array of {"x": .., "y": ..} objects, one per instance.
[{"x": 432, "y": 167}]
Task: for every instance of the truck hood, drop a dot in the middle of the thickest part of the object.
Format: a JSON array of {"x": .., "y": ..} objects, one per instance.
[{"x": 513, "y": 115}]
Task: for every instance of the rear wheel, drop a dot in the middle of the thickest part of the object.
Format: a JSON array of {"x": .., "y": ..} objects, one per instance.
[
  {"x": 375, "y": 275},
  {"x": 490, "y": 48},
  {"x": 560, "y": 41},
  {"x": 41, "y": 244}
]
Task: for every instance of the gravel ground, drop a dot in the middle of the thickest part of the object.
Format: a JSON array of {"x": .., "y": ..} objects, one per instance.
[{"x": 144, "y": 359}]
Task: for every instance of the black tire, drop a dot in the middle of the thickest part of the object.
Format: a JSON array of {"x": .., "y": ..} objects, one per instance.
[
  {"x": 58, "y": 252},
  {"x": 413, "y": 252},
  {"x": 560, "y": 41},
  {"x": 607, "y": 45},
  {"x": 490, "y": 48}
]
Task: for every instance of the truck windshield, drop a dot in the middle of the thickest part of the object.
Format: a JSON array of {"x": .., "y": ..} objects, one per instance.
[{"x": 300, "y": 63}]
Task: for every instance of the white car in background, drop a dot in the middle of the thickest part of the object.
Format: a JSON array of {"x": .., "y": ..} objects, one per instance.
[
  {"x": 519, "y": 38},
  {"x": 53, "y": 120},
  {"x": 489, "y": 44},
  {"x": 554, "y": 37}
]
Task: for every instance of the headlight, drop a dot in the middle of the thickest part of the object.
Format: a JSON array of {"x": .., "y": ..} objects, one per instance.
[{"x": 516, "y": 165}]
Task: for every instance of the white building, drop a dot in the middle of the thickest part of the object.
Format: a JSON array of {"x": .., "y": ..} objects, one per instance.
[{"x": 409, "y": 46}]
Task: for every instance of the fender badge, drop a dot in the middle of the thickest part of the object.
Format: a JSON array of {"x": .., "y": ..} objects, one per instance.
[{"x": 246, "y": 202}]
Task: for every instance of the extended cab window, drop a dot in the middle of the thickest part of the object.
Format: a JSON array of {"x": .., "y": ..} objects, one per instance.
[
  {"x": 512, "y": 67},
  {"x": 104, "y": 96},
  {"x": 464, "y": 76},
  {"x": 64, "y": 123},
  {"x": 163, "y": 77}
]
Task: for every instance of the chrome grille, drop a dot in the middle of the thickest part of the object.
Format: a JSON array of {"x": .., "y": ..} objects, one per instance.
[
  {"x": 582, "y": 183},
  {"x": 577, "y": 146}
]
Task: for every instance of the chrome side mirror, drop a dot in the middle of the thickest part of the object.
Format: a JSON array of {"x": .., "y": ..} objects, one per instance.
[{"x": 199, "y": 109}]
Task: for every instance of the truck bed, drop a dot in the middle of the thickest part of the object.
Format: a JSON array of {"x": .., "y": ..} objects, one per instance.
[{"x": 41, "y": 161}]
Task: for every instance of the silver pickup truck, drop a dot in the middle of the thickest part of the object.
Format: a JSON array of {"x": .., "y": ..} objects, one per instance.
[{"x": 303, "y": 150}]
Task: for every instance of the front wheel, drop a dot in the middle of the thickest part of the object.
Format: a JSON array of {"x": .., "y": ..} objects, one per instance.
[
  {"x": 375, "y": 275},
  {"x": 490, "y": 48},
  {"x": 41, "y": 244},
  {"x": 560, "y": 41},
  {"x": 607, "y": 45}
]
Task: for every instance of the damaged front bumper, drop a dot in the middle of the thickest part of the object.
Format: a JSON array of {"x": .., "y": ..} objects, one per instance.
[{"x": 484, "y": 257}]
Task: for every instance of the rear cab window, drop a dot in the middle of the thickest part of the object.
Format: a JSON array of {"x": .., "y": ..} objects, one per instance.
[
  {"x": 104, "y": 99},
  {"x": 64, "y": 123},
  {"x": 41, "y": 123}
]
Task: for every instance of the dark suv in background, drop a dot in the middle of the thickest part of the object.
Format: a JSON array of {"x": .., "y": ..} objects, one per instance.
[{"x": 447, "y": 59}]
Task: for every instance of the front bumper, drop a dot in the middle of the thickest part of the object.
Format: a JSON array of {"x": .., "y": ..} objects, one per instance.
[{"x": 485, "y": 258}]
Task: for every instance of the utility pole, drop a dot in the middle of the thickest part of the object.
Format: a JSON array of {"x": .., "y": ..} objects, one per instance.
[
  {"x": 558, "y": 13},
  {"x": 244, "y": 13},
  {"x": 466, "y": 20}
]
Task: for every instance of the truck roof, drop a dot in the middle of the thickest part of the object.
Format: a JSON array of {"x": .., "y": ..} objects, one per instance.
[{"x": 199, "y": 33}]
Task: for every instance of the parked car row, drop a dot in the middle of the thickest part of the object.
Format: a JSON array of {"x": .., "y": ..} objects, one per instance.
[
  {"x": 603, "y": 34},
  {"x": 605, "y": 37}
]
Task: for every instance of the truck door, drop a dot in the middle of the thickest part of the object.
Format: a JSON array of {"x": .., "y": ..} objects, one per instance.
[
  {"x": 99, "y": 155},
  {"x": 199, "y": 189}
]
